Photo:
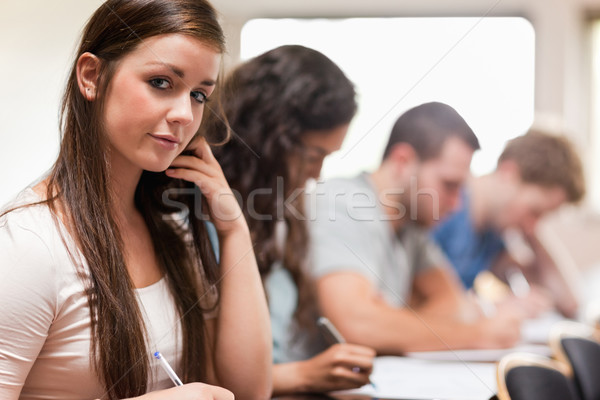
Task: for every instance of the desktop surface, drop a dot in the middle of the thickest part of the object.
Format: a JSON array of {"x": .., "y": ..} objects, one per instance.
[{"x": 332, "y": 397}]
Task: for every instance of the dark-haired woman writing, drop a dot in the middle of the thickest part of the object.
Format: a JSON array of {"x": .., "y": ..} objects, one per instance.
[
  {"x": 288, "y": 109},
  {"x": 100, "y": 264}
]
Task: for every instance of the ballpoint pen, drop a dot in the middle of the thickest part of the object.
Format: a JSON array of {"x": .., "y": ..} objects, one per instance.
[
  {"x": 332, "y": 335},
  {"x": 517, "y": 282},
  {"x": 168, "y": 369}
]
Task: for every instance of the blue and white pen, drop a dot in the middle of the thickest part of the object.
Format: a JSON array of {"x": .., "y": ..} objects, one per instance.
[{"x": 168, "y": 369}]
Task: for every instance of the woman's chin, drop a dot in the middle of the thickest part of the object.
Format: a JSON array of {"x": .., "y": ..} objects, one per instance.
[{"x": 157, "y": 167}]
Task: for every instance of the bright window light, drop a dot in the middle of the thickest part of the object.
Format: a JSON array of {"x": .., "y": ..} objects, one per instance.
[
  {"x": 483, "y": 67},
  {"x": 593, "y": 180}
]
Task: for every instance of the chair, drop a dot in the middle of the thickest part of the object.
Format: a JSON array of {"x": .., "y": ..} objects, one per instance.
[
  {"x": 574, "y": 344},
  {"x": 523, "y": 376}
]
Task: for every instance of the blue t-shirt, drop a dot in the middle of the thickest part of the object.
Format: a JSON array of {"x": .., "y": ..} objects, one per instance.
[{"x": 469, "y": 251}]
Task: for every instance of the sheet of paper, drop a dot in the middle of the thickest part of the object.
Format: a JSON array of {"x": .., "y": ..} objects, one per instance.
[
  {"x": 403, "y": 377},
  {"x": 538, "y": 330},
  {"x": 488, "y": 355}
]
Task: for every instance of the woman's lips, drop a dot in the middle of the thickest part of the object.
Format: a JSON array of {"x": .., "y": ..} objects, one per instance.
[{"x": 169, "y": 142}]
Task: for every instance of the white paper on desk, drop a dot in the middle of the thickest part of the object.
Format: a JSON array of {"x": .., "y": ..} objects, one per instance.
[
  {"x": 538, "y": 330},
  {"x": 402, "y": 377},
  {"x": 535, "y": 335},
  {"x": 486, "y": 355}
]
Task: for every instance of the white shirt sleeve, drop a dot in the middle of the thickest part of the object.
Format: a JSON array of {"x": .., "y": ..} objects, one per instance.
[{"x": 28, "y": 301}]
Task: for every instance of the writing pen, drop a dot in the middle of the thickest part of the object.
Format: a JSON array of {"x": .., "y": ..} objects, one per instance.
[
  {"x": 168, "y": 369},
  {"x": 333, "y": 336},
  {"x": 517, "y": 282}
]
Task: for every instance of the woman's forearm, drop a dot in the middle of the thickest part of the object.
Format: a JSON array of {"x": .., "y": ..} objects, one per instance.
[{"x": 242, "y": 357}]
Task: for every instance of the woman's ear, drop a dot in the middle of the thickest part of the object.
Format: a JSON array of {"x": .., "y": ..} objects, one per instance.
[{"x": 88, "y": 71}]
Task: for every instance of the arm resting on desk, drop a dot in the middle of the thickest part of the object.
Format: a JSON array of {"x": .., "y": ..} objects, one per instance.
[
  {"x": 349, "y": 300},
  {"x": 438, "y": 292}
]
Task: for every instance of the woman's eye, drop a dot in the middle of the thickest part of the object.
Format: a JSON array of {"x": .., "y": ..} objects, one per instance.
[
  {"x": 199, "y": 97},
  {"x": 159, "y": 83}
]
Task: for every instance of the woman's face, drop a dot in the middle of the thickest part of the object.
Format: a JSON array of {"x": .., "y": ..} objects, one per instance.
[
  {"x": 316, "y": 145},
  {"x": 155, "y": 101}
]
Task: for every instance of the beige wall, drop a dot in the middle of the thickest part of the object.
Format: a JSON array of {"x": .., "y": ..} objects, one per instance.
[
  {"x": 562, "y": 85},
  {"x": 37, "y": 38}
]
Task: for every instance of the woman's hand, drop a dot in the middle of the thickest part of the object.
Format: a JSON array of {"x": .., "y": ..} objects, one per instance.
[
  {"x": 203, "y": 169},
  {"x": 340, "y": 367},
  {"x": 190, "y": 391},
  {"x": 241, "y": 363}
]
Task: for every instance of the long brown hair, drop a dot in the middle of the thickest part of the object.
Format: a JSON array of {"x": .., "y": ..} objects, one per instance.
[
  {"x": 270, "y": 102},
  {"x": 78, "y": 184}
]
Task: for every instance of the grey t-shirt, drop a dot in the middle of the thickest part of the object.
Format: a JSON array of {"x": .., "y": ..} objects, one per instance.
[{"x": 351, "y": 232}]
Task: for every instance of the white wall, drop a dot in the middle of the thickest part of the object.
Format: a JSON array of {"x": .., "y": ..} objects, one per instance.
[{"x": 37, "y": 38}]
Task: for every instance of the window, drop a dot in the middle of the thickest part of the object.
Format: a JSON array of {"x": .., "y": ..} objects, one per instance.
[
  {"x": 483, "y": 67},
  {"x": 593, "y": 167}
]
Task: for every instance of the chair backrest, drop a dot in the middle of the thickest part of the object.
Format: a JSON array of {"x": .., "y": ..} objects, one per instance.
[
  {"x": 524, "y": 376},
  {"x": 575, "y": 345},
  {"x": 584, "y": 357}
]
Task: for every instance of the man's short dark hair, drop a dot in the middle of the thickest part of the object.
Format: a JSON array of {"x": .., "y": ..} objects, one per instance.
[{"x": 427, "y": 127}]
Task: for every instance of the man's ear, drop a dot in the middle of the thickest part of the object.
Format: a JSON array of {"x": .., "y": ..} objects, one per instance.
[
  {"x": 404, "y": 159},
  {"x": 509, "y": 171},
  {"x": 88, "y": 71},
  {"x": 402, "y": 154}
]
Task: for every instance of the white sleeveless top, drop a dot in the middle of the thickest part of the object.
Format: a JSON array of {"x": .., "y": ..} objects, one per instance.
[{"x": 45, "y": 319}]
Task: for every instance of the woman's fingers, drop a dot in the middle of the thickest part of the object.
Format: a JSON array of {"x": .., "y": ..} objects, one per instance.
[
  {"x": 358, "y": 349},
  {"x": 193, "y": 163},
  {"x": 352, "y": 361},
  {"x": 201, "y": 148},
  {"x": 191, "y": 391},
  {"x": 348, "y": 376},
  {"x": 186, "y": 174},
  {"x": 220, "y": 393}
]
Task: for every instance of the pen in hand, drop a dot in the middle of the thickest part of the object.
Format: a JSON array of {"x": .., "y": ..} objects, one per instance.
[
  {"x": 517, "y": 282},
  {"x": 168, "y": 369},
  {"x": 333, "y": 336}
]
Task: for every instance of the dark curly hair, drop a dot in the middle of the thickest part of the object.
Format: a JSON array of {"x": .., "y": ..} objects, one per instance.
[{"x": 270, "y": 102}]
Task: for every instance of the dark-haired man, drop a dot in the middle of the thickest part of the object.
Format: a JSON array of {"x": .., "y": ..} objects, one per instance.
[{"x": 380, "y": 279}]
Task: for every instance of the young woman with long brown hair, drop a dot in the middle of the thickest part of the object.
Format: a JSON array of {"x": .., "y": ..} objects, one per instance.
[
  {"x": 288, "y": 108},
  {"x": 100, "y": 264}
]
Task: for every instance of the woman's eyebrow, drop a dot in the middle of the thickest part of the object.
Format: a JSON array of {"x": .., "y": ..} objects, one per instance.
[{"x": 179, "y": 72}]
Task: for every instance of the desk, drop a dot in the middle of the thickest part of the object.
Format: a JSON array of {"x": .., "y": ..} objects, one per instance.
[
  {"x": 446, "y": 375},
  {"x": 410, "y": 378},
  {"x": 325, "y": 397},
  {"x": 449, "y": 375}
]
